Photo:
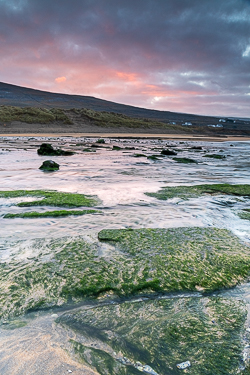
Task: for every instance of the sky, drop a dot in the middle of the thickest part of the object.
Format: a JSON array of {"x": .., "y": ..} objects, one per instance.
[{"x": 190, "y": 56}]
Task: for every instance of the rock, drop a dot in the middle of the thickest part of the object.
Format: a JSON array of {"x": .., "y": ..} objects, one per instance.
[
  {"x": 185, "y": 160},
  {"x": 49, "y": 165},
  {"x": 214, "y": 156},
  {"x": 117, "y": 148},
  {"x": 196, "y": 148},
  {"x": 48, "y": 150},
  {"x": 153, "y": 157},
  {"x": 168, "y": 152}
]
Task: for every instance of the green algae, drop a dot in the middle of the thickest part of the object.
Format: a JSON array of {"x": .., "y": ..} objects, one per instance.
[
  {"x": 244, "y": 214},
  {"x": 160, "y": 333},
  {"x": 51, "y": 198},
  {"x": 14, "y": 324},
  {"x": 37, "y": 281},
  {"x": 153, "y": 157},
  {"x": 61, "y": 213},
  {"x": 214, "y": 156},
  {"x": 103, "y": 362},
  {"x": 185, "y": 160},
  {"x": 143, "y": 261},
  {"x": 203, "y": 259},
  {"x": 186, "y": 192},
  {"x": 88, "y": 150}
]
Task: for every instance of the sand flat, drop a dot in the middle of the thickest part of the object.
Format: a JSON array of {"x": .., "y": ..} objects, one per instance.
[{"x": 185, "y": 137}]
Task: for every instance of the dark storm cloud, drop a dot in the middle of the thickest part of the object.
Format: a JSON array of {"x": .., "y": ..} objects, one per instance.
[{"x": 153, "y": 52}]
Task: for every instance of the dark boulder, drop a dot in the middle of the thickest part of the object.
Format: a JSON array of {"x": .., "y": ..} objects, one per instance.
[
  {"x": 185, "y": 160},
  {"x": 48, "y": 150},
  {"x": 168, "y": 152},
  {"x": 49, "y": 165},
  {"x": 101, "y": 140},
  {"x": 196, "y": 148}
]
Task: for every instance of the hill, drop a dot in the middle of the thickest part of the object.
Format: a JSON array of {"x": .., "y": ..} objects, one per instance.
[{"x": 90, "y": 114}]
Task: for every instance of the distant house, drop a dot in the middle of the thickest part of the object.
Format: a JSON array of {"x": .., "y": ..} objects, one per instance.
[
  {"x": 216, "y": 126},
  {"x": 187, "y": 124}
]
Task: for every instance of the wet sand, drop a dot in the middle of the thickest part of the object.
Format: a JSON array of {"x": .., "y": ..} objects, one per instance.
[
  {"x": 179, "y": 137},
  {"x": 39, "y": 348}
]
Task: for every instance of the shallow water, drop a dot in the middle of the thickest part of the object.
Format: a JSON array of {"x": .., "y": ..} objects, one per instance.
[{"x": 119, "y": 180}]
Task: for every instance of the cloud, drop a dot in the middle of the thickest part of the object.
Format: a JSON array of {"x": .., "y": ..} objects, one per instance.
[
  {"x": 60, "y": 79},
  {"x": 192, "y": 54}
]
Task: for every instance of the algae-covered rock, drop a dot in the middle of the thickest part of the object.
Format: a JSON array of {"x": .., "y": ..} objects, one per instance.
[
  {"x": 214, "y": 156},
  {"x": 48, "y": 150},
  {"x": 168, "y": 152},
  {"x": 198, "y": 148},
  {"x": 116, "y": 148},
  {"x": 245, "y": 214},
  {"x": 185, "y": 160},
  {"x": 144, "y": 261},
  {"x": 49, "y": 165},
  {"x": 195, "y": 191},
  {"x": 51, "y": 198},
  {"x": 100, "y": 140},
  {"x": 153, "y": 157},
  {"x": 158, "y": 334},
  {"x": 61, "y": 213}
]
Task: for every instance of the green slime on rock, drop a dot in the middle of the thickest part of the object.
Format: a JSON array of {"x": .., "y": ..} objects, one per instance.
[
  {"x": 61, "y": 213},
  {"x": 143, "y": 261},
  {"x": 51, "y": 198},
  {"x": 161, "y": 333},
  {"x": 186, "y": 192}
]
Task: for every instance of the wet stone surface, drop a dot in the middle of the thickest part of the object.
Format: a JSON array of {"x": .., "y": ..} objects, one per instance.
[{"x": 140, "y": 287}]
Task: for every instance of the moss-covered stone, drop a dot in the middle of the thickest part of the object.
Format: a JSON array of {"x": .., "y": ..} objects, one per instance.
[
  {"x": 154, "y": 157},
  {"x": 214, "y": 156},
  {"x": 116, "y": 148},
  {"x": 49, "y": 165},
  {"x": 195, "y": 191},
  {"x": 51, "y": 198},
  {"x": 47, "y": 149},
  {"x": 100, "y": 140},
  {"x": 13, "y": 324},
  {"x": 245, "y": 214},
  {"x": 181, "y": 258},
  {"x": 160, "y": 334},
  {"x": 168, "y": 152},
  {"x": 185, "y": 160},
  {"x": 61, "y": 213},
  {"x": 143, "y": 261}
]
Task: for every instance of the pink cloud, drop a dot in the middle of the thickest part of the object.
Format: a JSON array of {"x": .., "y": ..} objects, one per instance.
[{"x": 60, "y": 79}]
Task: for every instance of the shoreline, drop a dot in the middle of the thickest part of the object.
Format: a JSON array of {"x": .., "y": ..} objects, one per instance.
[{"x": 179, "y": 137}]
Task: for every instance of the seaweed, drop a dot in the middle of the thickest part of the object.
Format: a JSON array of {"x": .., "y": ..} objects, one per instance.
[
  {"x": 51, "y": 198},
  {"x": 160, "y": 334},
  {"x": 61, "y": 213},
  {"x": 186, "y": 192}
]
